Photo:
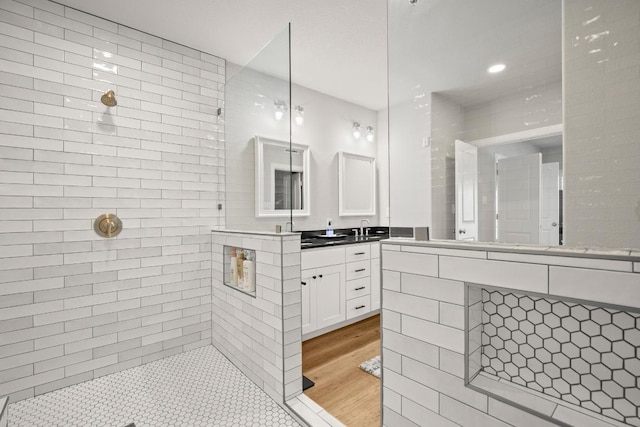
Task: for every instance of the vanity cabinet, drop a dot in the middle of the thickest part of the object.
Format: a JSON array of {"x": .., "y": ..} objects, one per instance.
[
  {"x": 339, "y": 284},
  {"x": 323, "y": 288}
]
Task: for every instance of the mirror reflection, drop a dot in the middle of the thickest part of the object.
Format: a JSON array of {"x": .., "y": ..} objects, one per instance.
[
  {"x": 510, "y": 192},
  {"x": 282, "y": 178},
  {"x": 488, "y": 93}
]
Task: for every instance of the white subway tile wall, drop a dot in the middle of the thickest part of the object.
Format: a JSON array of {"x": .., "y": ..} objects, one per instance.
[
  {"x": 75, "y": 306},
  {"x": 262, "y": 335},
  {"x": 423, "y": 350},
  {"x": 601, "y": 150}
]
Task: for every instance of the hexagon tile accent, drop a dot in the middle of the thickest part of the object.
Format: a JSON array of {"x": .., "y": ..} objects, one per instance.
[
  {"x": 197, "y": 388},
  {"x": 585, "y": 355}
]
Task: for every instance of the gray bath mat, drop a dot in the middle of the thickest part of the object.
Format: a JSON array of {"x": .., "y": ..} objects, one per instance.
[{"x": 372, "y": 366}]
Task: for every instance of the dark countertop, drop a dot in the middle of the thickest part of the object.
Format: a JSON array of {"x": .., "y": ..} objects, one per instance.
[{"x": 343, "y": 236}]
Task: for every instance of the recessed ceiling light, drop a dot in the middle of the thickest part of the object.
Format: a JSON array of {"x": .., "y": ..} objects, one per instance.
[{"x": 496, "y": 68}]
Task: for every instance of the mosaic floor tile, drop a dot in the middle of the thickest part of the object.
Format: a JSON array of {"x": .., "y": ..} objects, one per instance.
[{"x": 197, "y": 388}]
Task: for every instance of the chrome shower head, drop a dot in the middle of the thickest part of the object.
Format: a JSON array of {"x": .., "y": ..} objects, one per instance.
[{"x": 109, "y": 99}]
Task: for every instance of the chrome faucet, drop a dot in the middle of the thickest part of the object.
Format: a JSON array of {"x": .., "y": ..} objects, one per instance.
[
  {"x": 291, "y": 223},
  {"x": 361, "y": 230}
]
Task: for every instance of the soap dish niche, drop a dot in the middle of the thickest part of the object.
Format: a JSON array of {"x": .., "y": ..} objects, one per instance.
[{"x": 240, "y": 269}]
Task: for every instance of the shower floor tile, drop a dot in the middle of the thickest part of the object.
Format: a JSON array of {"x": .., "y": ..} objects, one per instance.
[{"x": 197, "y": 388}]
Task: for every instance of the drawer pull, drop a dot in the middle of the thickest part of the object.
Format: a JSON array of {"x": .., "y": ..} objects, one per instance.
[
  {"x": 304, "y": 283},
  {"x": 360, "y": 269},
  {"x": 313, "y": 277},
  {"x": 360, "y": 306},
  {"x": 359, "y": 289},
  {"x": 359, "y": 253},
  {"x": 320, "y": 276}
]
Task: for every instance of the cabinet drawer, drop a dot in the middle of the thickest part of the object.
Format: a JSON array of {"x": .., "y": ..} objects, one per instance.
[
  {"x": 359, "y": 287},
  {"x": 312, "y": 258},
  {"x": 358, "y": 306},
  {"x": 359, "y": 269},
  {"x": 358, "y": 252}
]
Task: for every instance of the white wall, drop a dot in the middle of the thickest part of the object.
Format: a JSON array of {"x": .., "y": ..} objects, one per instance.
[
  {"x": 446, "y": 126},
  {"x": 409, "y": 165},
  {"x": 383, "y": 166},
  {"x": 528, "y": 108},
  {"x": 602, "y": 116},
  {"x": 73, "y": 305}
]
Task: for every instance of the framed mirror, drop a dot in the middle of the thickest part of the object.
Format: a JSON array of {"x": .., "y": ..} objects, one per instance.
[
  {"x": 282, "y": 178},
  {"x": 356, "y": 185}
]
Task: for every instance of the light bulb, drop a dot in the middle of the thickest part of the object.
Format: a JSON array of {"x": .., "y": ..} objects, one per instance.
[
  {"x": 496, "y": 68},
  {"x": 356, "y": 130},
  {"x": 299, "y": 115},
  {"x": 369, "y": 133},
  {"x": 280, "y": 107}
]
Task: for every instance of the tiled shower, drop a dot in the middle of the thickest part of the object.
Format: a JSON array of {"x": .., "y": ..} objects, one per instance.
[{"x": 75, "y": 306}]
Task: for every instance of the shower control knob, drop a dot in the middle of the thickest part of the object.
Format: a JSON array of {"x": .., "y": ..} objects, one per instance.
[{"x": 107, "y": 225}]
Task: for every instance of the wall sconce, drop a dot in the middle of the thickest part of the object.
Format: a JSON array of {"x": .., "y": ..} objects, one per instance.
[
  {"x": 356, "y": 130},
  {"x": 369, "y": 133},
  {"x": 299, "y": 115},
  {"x": 281, "y": 108}
]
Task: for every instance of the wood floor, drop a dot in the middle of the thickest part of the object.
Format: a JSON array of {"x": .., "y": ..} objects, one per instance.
[{"x": 333, "y": 361}]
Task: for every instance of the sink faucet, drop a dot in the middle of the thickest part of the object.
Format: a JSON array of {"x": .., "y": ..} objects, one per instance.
[
  {"x": 361, "y": 230},
  {"x": 287, "y": 223}
]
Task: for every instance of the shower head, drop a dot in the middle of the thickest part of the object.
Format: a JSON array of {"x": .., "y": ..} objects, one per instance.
[{"x": 109, "y": 99}]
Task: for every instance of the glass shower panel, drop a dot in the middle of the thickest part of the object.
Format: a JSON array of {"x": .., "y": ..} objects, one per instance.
[
  {"x": 441, "y": 90},
  {"x": 257, "y": 108}
]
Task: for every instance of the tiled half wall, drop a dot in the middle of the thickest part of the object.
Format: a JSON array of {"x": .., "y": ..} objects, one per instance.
[
  {"x": 73, "y": 305},
  {"x": 261, "y": 334},
  {"x": 424, "y": 338}
]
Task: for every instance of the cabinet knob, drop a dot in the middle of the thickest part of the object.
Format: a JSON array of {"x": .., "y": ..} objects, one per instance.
[
  {"x": 313, "y": 277},
  {"x": 320, "y": 276}
]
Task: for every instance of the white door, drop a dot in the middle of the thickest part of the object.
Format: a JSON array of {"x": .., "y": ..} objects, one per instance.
[
  {"x": 519, "y": 210},
  {"x": 466, "y": 165},
  {"x": 550, "y": 235}
]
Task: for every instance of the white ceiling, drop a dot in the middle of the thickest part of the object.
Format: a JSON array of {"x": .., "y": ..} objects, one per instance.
[
  {"x": 338, "y": 47},
  {"x": 446, "y": 46}
]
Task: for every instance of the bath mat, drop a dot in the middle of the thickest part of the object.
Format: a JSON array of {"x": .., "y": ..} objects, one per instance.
[
  {"x": 307, "y": 383},
  {"x": 372, "y": 366}
]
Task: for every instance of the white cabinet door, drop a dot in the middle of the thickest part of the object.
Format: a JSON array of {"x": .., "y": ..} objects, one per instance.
[
  {"x": 330, "y": 295},
  {"x": 375, "y": 283},
  {"x": 308, "y": 301}
]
